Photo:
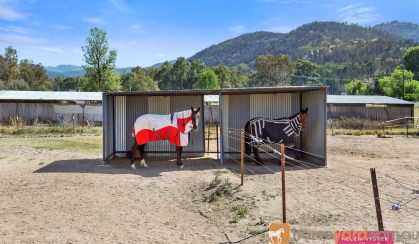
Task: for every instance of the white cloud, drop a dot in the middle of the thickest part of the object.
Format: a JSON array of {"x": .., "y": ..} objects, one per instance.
[
  {"x": 161, "y": 55},
  {"x": 95, "y": 21},
  {"x": 135, "y": 26},
  {"x": 61, "y": 27},
  {"x": 53, "y": 49},
  {"x": 16, "y": 29},
  {"x": 237, "y": 29},
  {"x": 16, "y": 39},
  {"x": 7, "y": 13},
  {"x": 357, "y": 13}
]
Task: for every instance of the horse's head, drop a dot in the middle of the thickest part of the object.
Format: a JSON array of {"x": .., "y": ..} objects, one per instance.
[
  {"x": 303, "y": 117},
  {"x": 195, "y": 118}
]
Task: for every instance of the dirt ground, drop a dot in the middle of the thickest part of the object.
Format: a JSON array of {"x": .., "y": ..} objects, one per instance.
[{"x": 54, "y": 196}]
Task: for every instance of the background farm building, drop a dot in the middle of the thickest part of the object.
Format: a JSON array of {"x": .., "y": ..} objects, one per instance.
[
  {"x": 50, "y": 106},
  {"x": 374, "y": 108}
]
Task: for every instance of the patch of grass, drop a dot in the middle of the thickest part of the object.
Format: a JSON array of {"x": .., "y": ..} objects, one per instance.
[
  {"x": 239, "y": 213},
  {"x": 45, "y": 130},
  {"x": 262, "y": 220},
  {"x": 267, "y": 195},
  {"x": 292, "y": 222},
  {"x": 214, "y": 182},
  {"x": 80, "y": 144},
  {"x": 255, "y": 231},
  {"x": 224, "y": 188}
]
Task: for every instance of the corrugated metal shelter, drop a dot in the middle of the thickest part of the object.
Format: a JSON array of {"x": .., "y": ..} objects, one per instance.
[
  {"x": 375, "y": 108},
  {"x": 121, "y": 109},
  {"x": 240, "y": 105},
  {"x": 50, "y": 105}
]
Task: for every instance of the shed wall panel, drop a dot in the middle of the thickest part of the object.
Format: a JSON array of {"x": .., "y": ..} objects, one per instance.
[
  {"x": 136, "y": 106},
  {"x": 120, "y": 125},
  {"x": 107, "y": 127},
  {"x": 313, "y": 137},
  {"x": 234, "y": 119}
]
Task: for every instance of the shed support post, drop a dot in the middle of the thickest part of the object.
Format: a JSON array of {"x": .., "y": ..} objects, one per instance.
[
  {"x": 220, "y": 108},
  {"x": 242, "y": 156}
]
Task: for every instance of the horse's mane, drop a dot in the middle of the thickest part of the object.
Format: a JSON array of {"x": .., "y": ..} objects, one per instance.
[{"x": 289, "y": 117}]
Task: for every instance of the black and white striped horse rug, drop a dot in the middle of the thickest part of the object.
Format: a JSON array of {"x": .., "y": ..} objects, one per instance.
[{"x": 264, "y": 130}]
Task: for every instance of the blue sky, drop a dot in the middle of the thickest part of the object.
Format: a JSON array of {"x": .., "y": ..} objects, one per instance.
[{"x": 52, "y": 32}]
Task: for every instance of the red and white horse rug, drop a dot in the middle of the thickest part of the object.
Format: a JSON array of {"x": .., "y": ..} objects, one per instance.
[{"x": 172, "y": 127}]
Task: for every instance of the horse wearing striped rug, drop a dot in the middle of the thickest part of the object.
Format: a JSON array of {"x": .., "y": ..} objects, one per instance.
[
  {"x": 263, "y": 130},
  {"x": 173, "y": 127}
]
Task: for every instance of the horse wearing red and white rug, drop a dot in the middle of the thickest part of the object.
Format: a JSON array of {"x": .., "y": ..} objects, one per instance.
[{"x": 173, "y": 127}]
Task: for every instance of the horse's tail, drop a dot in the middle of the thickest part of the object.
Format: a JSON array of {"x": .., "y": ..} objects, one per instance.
[{"x": 247, "y": 138}]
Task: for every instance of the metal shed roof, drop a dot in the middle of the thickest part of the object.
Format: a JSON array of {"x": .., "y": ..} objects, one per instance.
[
  {"x": 225, "y": 91},
  {"x": 360, "y": 99},
  {"x": 50, "y": 95}
]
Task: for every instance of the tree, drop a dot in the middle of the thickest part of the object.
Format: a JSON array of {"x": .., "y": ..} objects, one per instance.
[
  {"x": 179, "y": 75},
  {"x": 305, "y": 73},
  {"x": 411, "y": 61},
  {"x": 100, "y": 63},
  {"x": 208, "y": 80},
  {"x": 400, "y": 84},
  {"x": 223, "y": 74},
  {"x": 11, "y": 59},
  {"x": 138, "y": 80},
  {"x": 196, "y": 68},
  {"x": 357, "y": 87},
  {"x": 412, "y": 90},
  {"x": 163, "y": 76},
  {"x": 273, "y": 70}
]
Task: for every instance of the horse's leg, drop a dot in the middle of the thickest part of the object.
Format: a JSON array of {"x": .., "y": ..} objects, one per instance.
[
  {"x": 142, "y": 155},
  {"x": 179, "y": 157},
  {"x": 133, "y": 148},
  {"x": 256, "y": 153}
]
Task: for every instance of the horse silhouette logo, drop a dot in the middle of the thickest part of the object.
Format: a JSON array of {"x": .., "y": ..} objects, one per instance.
[{"x": 279, "y": 233}]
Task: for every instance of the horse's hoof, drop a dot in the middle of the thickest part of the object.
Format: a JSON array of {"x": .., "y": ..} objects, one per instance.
[
  {"x": 143, "y": 164},
  {"x": 180, "y": 166},
  {"x": 133, "y": 166}
]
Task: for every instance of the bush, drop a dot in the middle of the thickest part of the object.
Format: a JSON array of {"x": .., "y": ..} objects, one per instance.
[{"x": 239, "y": 213}]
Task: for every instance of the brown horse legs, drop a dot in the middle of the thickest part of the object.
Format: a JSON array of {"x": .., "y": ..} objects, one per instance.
[
  {"x": 257, "y": 157},
  {"x": 135, "y": 147},
  {"x": 179, "y": 156}
]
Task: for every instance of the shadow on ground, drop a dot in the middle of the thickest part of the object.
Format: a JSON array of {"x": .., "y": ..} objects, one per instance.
[{"x": 157, "y": 166}]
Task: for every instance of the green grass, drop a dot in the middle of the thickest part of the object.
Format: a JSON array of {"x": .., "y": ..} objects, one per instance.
[
  {"x": 267, "y": 195},
  {"x": 42, "y": 130},
  {"x": 80, "y": 144},
  {"x": 239, "y": 213},
  {"x": 220, "y": 188}
]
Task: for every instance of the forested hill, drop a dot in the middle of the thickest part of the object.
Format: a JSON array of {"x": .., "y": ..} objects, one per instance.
[
  {"x": 319, "y": 42},
  {"x": 406, "y": 30}
]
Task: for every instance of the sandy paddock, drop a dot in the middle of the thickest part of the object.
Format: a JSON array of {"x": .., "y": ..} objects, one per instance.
[{"x": 64, "y": 197}]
